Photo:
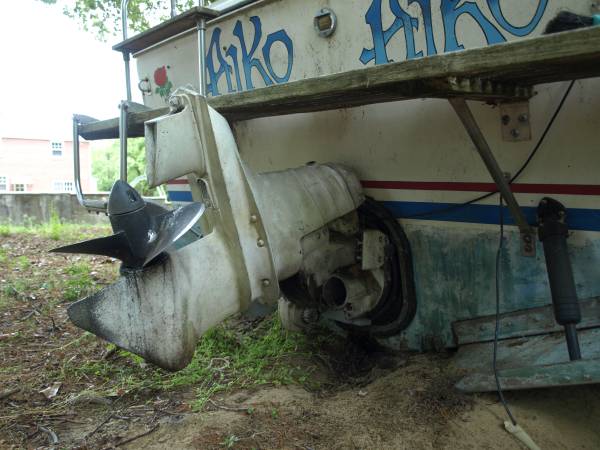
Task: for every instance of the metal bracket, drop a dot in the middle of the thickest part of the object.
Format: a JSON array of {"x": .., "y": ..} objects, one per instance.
[
  {"x": 468, "y": 120},
  {"x": 487, "y": 90},
  {"x": 515, "y": 121},
  {"x": 528, "y": 242}
]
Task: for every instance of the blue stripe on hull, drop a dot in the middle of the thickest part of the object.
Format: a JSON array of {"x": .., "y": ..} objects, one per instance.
[
  {"x": 577, "y": 218},
  {"x": 180, "y": 196}
]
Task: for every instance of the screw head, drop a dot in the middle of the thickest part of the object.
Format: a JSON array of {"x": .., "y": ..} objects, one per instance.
[
  {"x": 253, "y": 218},
  {"x": 175, "y": 103},
  {"x": 515, "y": 133},
  {"x": 523, "y": 118},
  {"x": 260, "y": 243},
  {"x": 505, "y": 119},
  {"x": 266, "y": 282}
]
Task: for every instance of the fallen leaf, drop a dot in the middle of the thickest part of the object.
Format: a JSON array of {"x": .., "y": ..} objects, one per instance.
[{"x": 52, "y": 390}]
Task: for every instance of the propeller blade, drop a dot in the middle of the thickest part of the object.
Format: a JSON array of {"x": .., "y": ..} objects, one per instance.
[
  {"x": 115, "y": 246},
  {"x": 171, "y": 226},
  {"x": 155, "y": 209}
]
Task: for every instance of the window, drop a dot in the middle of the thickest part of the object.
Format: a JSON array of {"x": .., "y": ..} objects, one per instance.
[
  {"x": 57, "y": 148},
  {"x": 19, "y": 187},
  {"x": 63, "y": 186},
  {"x": 3, "y": 183}
]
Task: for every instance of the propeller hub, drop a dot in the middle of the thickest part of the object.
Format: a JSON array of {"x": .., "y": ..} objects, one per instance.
[{"x": 124, "y": 199}]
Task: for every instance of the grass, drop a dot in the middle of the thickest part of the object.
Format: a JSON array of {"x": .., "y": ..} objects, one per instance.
[
  {"x": 54, "y": 229},
  {"x": 79, "y": 282},
  {"x": 225, "y": 359}
]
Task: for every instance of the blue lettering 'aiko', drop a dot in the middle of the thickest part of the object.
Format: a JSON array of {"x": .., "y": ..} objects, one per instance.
[
  {"x": 451, "y": 11},
  {"x": 246, "y": 58}
]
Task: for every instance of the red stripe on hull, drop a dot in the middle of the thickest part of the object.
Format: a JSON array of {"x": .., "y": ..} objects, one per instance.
[
  {"x": 177, "y": 182},
  {"x": 521, "y": 188}
]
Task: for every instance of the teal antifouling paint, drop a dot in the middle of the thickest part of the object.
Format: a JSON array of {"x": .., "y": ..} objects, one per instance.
[{"x": 597, "y": 19}]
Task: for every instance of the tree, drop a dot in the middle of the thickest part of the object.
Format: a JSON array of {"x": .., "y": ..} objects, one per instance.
[
  {"x": 103, "y": 17},
  {"x": 105, "y": 165}
]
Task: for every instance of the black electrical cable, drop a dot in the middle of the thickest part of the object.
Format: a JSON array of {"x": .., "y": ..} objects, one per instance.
[
  {"x": 515, "y": 176},
  {"x": 497, "y": 329}
]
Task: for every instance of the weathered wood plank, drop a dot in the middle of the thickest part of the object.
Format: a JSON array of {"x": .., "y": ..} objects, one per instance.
[
  {"x": 528, "y": 322},
  {"x": 472, "y": 74},
  {"x": 109, "y": 129},
  {"x": 166, "y": 29},
  {"x": 572, "y": 373},
  {"x": 528, "y": 351}
]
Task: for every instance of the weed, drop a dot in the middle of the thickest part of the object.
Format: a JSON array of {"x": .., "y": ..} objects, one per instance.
[
  {"x": 23, "y": 262},
  {"x": 55, "y": 227},
  {"x": 5, "y": 230},
  {"x": 15, "y": 288},
  {"x": 79, "y": 282},
  {"x": 230, "y": 441}
]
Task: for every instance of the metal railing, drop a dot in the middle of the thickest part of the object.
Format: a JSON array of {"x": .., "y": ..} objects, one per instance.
[
  {"x": 125, "y": 105},
  {"x": 91, "y": 205}
]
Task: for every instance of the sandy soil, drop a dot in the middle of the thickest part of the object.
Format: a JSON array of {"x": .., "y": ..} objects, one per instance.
[{"x": 411, "y": 407}]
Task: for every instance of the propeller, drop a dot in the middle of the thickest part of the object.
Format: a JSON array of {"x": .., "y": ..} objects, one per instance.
[{"x": 143, "y": 230}]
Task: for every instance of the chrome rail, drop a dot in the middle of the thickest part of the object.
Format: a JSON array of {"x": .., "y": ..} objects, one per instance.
[
  {"x": 125, "y": 103},
  {"x": 90, "y": 205},
  {"x": 201, "y": 27}
]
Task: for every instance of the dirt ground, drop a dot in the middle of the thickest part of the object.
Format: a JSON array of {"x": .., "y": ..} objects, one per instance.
[{"x": 361, "y": 398}]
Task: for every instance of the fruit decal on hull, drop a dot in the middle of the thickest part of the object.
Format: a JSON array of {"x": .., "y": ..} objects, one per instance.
[{"x": 163, "y": 84}]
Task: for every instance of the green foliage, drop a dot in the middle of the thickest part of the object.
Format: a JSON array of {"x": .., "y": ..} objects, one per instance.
[
  {"x": 54, "y": 228},
  {"x": 23, "y": 262},
  {"x": 225, "y": 358},
  {"x": 79, "y": 282},
  {"x": 103, "y": 17},
  {"x": 15, "y": 288},
  {"x": 230, "y": 441},
  {"x": 105, "y": 165}
]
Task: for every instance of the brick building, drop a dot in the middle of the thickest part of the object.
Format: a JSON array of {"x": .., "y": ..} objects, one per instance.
[{"x": 42, "y": 165}]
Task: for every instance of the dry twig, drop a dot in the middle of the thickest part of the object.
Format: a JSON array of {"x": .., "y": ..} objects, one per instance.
[
  {"x": 8, "y": 393},
  {"x": 145, "y": 433},
  {"x": 51, "y": 434}
]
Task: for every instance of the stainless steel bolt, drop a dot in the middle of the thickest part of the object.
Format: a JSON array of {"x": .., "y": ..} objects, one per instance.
[
  {"x": 175, "y": 103},
  {"x": 266, "y": 282},
  {"x": 253, "y": 218},
  {"x": 260, "y": 243}
]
